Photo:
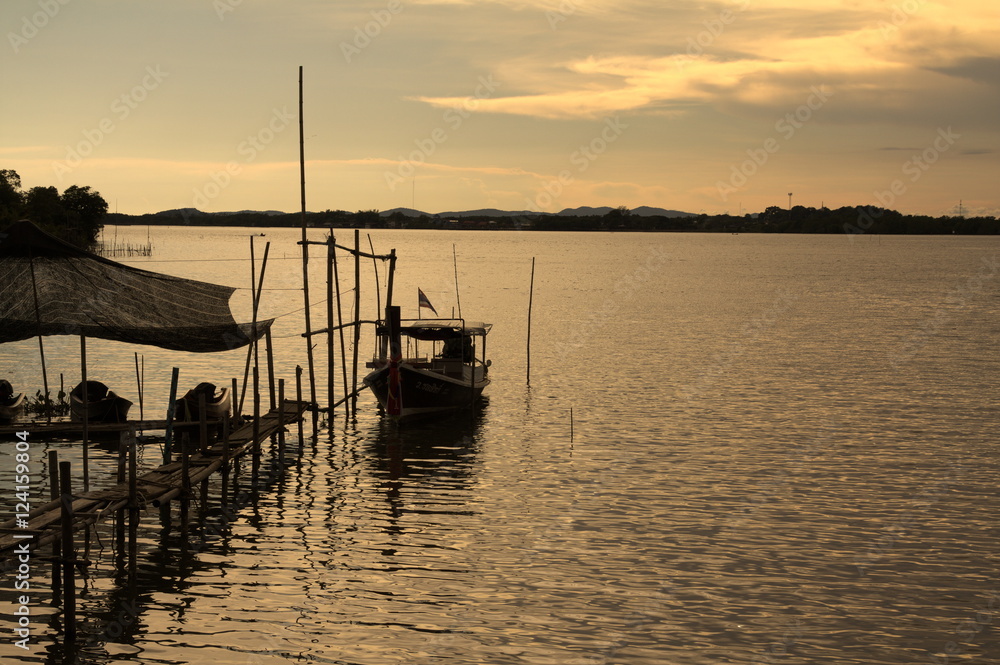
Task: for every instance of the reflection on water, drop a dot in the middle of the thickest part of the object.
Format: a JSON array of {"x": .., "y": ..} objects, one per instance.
[{"x": 783, "y": 450}]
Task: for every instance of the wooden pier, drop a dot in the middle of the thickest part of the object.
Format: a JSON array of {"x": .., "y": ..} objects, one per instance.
[{"x": 155, "y": 488}]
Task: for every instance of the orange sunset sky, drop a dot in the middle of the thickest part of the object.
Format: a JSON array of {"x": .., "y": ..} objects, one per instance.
[{"x": 467, "y": 104}]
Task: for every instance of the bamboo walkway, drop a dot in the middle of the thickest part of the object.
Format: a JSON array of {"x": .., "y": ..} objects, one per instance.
[{"x": 155, "y": 487}]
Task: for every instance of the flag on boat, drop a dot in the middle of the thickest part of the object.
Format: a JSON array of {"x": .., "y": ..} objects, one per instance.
[{"x": 424, "y": 302}]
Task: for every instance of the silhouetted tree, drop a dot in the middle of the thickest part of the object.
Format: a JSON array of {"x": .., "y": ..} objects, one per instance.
[
  {"x": 76, "y": 216},
  {"x": 11, "y": 197}
]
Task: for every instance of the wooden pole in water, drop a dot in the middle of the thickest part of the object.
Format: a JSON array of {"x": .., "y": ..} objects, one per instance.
[
  {"x": 41, "y": 345},
  {"x": 384, "y": 351},
  {"x": 357, "y": 317},
  {"x": 281, "y": 425},
  {"x": 458, "y": 298},
  {"x": 305, "y": 263},
  {"x": 340, "y": 322},
  {"x": 56, "y": 544},
  {"x": 298, "y": 397},
  {"x": 69, "y": 556},
  {"x": 202, "y": 423},
  {"x": 256, "y": 427},
  {"x": 120, "y": 478},
  {"x": 171, "y": 411},
  {"x": 236, "y": 413},
  {"x": 393, "y": 402},
  {"x": 225, "y": 460},
  {"x": 86, "y": 414},
  {"x": 133, "y": 505},
  {"x": 378, "y": 291},
  {"x": 138, "y": 380},
  {"x": 270, "y": 366},
  {"x": 531, "y": 296},
  {"x": 330, "y": 376},
  {"x": 185, "y": 481}
]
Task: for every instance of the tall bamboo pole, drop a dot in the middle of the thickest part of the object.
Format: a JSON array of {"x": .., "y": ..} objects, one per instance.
[
  {"x": 357, "y": 317},
  {"x": 329, "y": 324},
  {"x": 252, "y": 351},
  {"x": 56, "y": 543},
  {"x": 41, "y": 345},
  {"x": 86, "y": 414},
  {"x": 340, "y": 322},
  {"x": 305, "y": 261},
  {"x": 68, "y": 554},
  {"x": 384, "y": 351},
  {"x": 531, "y": 295},
  {"x": 378, "y": 289}
]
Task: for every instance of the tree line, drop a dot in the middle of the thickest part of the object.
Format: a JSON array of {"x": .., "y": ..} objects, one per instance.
[
  {"x": 799, "y": 219},
  {"x": 75, "y": 216}
]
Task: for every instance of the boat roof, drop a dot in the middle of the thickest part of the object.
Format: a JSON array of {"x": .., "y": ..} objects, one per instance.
[{"x": 430, "y": 329}]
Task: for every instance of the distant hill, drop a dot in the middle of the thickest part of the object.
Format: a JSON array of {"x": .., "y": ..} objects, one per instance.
[
  {"x": 194, "y": 212},
  {"x": 583, "y": 211},
  {"x": 641, "y": 211},
  {"x": 486, "y": 212}
]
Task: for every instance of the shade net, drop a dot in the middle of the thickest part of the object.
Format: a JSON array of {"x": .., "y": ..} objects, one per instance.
[{"x": 48, "y": 287}]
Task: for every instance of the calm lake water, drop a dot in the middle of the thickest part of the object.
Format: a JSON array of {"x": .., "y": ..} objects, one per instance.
[{"x": 782, "y": 449}]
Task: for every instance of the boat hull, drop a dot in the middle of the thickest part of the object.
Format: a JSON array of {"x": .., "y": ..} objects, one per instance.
[
  {"x": 216, "y": 408},
  {"x": 12, "y": 407},
  {"x": 425, "y": 392},
  {"x": 110, "y": 409}
]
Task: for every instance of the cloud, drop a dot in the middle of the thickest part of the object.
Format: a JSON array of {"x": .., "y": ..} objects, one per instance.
[{"x": 762, "y": 58}]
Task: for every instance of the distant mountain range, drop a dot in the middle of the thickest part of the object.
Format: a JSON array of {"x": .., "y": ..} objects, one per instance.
[
  {"x": 194, "y": 212},
  {"x": 583, "y": 211}
]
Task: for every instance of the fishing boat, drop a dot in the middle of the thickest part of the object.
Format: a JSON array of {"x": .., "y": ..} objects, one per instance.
[
  {"x": 450, "y": 377},
  {"x": 102, "y": 405},
  {"x": 11, "y": 403},
  {"x": 217, "y": 403}
]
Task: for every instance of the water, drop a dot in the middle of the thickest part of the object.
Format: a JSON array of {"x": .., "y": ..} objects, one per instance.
[{"x": 782, "y": 449}]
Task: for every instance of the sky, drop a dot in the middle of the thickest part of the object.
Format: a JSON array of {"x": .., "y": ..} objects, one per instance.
[{"x": 445, "y": 105}]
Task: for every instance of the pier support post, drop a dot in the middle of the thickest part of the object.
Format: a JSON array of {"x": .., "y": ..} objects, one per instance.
[
  {"x": 281, "y": 425},
  {"x": 120, "y": 477},
  {"x": 269, "y": 352},
  {"x": 225, "y": 462},
  {"x": 69, "y": 556},
  {"x": 256, "y": 428},
  {"x": 133, "y": 505},
  {"x": 171, "y": 407},
  {"x": 56, "y": 544},
  {"x": 298, "y": 396},
  {"x": 185, "y": 482}
]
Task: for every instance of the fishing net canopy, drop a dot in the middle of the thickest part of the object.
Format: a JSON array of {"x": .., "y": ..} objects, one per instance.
[{"x": 48, "y": 287}]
